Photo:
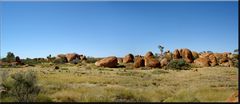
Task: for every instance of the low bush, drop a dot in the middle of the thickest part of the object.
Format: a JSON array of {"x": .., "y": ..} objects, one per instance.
[
  {"x": 22, "y": 86},
  {"x": 60, "y": 61},
  {"x": 179, "y": 64}
]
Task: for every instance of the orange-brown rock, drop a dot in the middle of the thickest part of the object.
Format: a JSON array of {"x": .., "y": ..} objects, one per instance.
[
  {"x": 213, "y": 60},
  {"x": 223, "y": 59},
  {"x": 217, "y": 55},
  {"x": 233, "y": 97},
  {"x": 164, "y": 62},
  {"x": 202, "y": 62},
  {"x": 180, "y": 51},
  {"x": 205, "y": 55},
  {"x": 187, "y": 55},
  {"x": 71, "y": 56},
  {"x": 128, "y": 58},
  {"x": 149, "y": 55},
  {"x": 176, "y": 54},
  {"x": 110, "y": 62},
  {"x": 195, "y": 55},
  {"x": 151, "y": 62},
  {"x": 225, "y": 64},
  {"x": 138, "y": 62}
]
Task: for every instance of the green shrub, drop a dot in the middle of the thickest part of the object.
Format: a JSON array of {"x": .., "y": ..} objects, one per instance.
[
  {"x": 6, "y": 84},
  {"x": 10, "y": 57},
  {"x": 30, "y": 62},
  {"x": 179, "y": 64},
  {"x": 22, "y": 86},
  {"x": 60, "y": 61}
]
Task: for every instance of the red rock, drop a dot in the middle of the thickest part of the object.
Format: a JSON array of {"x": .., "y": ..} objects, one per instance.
[
  {"x": 202, "y": 62},
  {"x": 110, "y": 62},
  {"x": 128, "y": 58}
]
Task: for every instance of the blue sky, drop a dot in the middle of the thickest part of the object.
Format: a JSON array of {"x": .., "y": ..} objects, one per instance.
[{"x": 99, "y": 29}]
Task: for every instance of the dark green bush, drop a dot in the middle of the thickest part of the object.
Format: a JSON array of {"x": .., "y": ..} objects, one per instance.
[
  {"x": 10, "y": 57},
  {"x": 60, "y": 61},
  {"x": 30, "y": 62},
  {"x": 179, "y": 64},
  {"x": 22, "y": 86}
]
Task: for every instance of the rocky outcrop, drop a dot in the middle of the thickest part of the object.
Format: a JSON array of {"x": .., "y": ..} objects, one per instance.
[
  {"x": 110, "y": 62},
  {"x": 138, "y": 62},
  {"x": 176, "y": 54},
  {"x": 186, "y": 55},
  {"x": 128, "y": 58},
  {"x": 195, "y": 55},
  {"x": 202, "y": 62},
  {"x": 71, "y": 56}
]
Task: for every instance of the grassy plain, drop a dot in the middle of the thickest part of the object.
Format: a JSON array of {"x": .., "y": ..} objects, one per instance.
[{"x": 88, "y": 83}]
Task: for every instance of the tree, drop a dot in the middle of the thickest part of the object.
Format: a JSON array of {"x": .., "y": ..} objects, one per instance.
[
  {"x": 18, "y": 59},
  {"x": 49, "y": 57},
  {"x": 10, "y": 57},
  {"x": 161, "y": 49}
]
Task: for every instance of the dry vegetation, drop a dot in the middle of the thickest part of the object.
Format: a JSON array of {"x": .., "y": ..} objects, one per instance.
[{"x": 88, "y": 83}]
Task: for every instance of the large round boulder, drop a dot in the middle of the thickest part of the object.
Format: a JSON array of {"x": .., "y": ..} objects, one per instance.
[
  {"x": 71, "y": 56},
  {"x": 213, "y": 60},
  {"x": 223, "y": 58},
  {"x": 110, "y": 62},
  {"x": 202, "y": 62},
  {"x": 187, "y": 55},
  {"x": 128, "y": 58},
  {"x": 149, "y": 55},
  {"x": 151, "y": 62},
  {"x": 176, "y": 54},
  {"x": 138, "y": 62}
]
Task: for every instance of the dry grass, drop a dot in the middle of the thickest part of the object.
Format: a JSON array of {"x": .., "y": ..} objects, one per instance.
[{"x": 88, "y": 83}]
